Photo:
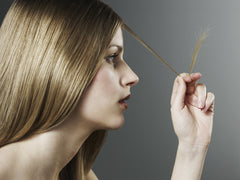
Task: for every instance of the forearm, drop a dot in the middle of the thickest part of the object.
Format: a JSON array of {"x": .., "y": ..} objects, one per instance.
[{"x": 189, "y": 162}]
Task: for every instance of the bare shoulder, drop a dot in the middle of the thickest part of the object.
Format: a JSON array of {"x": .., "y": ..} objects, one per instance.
[
  {"x": 7, "y": 162},
  {"x": 4, "y": 172},
  {"x": 91, "y": 175}
]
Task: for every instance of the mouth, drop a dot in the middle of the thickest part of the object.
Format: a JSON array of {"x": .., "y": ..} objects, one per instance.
[{"x": 123, "y": 103}]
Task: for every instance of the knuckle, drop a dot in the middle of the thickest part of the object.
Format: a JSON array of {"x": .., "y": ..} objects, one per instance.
[
  {"x": 184, "y": 74},
  {"x": 176, "y": 79}
]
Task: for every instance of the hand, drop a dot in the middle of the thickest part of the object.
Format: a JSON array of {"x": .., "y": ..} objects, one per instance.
[{"x": 192, "y": 110}]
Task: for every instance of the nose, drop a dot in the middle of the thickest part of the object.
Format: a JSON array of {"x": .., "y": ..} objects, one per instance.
[{"x": 128, "y": 77}]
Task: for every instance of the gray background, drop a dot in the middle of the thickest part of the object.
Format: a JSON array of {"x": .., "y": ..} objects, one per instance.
[{"x": 145, "y": 147}]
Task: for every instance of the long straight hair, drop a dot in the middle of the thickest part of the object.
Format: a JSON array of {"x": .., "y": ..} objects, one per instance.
[{"x": 50, "y": 51}]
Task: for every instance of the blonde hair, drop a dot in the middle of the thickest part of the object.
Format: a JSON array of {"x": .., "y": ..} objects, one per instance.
[{"x": 49, "y": 53}]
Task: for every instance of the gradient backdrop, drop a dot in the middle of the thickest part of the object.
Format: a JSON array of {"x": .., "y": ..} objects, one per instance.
[{"x": 144, "y": 149}]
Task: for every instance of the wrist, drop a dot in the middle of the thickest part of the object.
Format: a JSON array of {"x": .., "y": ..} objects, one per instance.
[
  {"x": 189, "y": 161},
  {"x": 192, "y": 150}
]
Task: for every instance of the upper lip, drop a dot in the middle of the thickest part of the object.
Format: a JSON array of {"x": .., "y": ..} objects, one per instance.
[{"x": 125, "y": 98}]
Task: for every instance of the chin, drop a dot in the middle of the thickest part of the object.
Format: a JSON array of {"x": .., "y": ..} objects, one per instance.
[{"x": 116, "y": 124}]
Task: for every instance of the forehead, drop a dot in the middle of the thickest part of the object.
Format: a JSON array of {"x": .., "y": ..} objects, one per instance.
[{"x": 117, "y": 38}]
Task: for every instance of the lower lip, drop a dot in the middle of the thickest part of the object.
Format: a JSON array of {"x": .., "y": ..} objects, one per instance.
[{"x": 124, "y": 105}]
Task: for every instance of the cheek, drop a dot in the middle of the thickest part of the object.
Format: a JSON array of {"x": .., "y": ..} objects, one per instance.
[
  {"x": 105, "y": 82},
  {"x": 101, "y": 96},
  {"x": 99, "y": 107}
]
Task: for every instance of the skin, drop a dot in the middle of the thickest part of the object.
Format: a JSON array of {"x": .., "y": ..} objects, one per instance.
[
  {"x": 111, "y": 84},
  {"x": 192, "y": 117},
  {"x": 44, "y": 155}
]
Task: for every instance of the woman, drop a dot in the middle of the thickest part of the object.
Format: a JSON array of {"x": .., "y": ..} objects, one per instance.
[{"x": 64, "y": 83}]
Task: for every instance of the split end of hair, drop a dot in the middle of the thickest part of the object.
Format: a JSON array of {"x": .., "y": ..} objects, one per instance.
[{"x": 197, "y": 48}]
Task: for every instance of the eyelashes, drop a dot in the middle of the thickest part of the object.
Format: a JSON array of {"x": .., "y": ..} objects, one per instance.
[{"x": 112, "y": 59}]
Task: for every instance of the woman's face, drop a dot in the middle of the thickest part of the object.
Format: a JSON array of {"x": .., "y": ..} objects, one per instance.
[{"x": 104, "y": 102}]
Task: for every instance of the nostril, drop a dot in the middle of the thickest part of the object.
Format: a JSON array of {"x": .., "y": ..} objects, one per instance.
[{"x": 132, "y": 83}]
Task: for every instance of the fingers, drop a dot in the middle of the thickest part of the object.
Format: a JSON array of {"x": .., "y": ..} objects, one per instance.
[
  {"x": 191, "y": 78},
  {"x": 185, "y": 91},
  {"x": 201, "y": 93},
  {"x": 191, "y": 84},
  {"x": 184, "y": 84},
  {"x": 198, "y": 97},
  {"x": 179, "y": 91},
  {"x": 175, "y": 90},
  {"x": 209, "y": 104}
]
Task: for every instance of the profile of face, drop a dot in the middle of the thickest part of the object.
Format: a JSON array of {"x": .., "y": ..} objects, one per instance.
[{"x": 104, "y": 102}]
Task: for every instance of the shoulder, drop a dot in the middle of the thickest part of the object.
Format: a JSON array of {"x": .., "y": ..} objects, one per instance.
[
  {"x": 8, "y": 159},
  {"x": 4, "y": 171},
  {"x": 91, "y": 175}
]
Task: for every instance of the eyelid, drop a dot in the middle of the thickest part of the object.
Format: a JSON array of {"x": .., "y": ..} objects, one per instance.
[
  {"x": 112, "y": 59},
  {"x": 119, "y": 48},
  {"x": 113, "y": 51},
  {"x": 113, "y": 55}
]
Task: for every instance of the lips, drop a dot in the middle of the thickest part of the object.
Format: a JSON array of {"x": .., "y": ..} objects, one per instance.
[{"x": 123, "y": 103}]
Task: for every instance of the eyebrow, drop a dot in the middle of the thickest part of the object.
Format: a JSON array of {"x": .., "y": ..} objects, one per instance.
[{"x": 120, "y": 48}]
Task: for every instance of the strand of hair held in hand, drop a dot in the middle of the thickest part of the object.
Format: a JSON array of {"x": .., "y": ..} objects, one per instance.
[
  {"x": 161, "y": 59},
  {"x": 148, "y": 47}
]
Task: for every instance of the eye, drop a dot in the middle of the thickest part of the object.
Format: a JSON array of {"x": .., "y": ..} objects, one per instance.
[{"x": 112, "y": 59}]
